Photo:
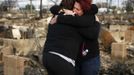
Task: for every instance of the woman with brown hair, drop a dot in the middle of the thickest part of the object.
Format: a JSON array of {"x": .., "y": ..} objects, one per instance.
[{"x": 61, "y": 48}]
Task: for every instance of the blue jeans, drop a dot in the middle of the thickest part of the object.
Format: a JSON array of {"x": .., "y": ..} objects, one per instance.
[{"x": 91, "y": 66}]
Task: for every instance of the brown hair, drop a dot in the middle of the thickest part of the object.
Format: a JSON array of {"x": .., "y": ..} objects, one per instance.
[{"x": 67, "y": 4}]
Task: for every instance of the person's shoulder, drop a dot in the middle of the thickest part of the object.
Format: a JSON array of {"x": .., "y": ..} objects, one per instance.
[
  {"x": 94, "y": 9},
  {"x": 94, "y": 6},
  {"x": 55, "y": 9}
]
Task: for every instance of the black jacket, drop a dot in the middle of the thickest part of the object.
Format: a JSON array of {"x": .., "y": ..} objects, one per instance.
[
  {"x": 63, "y": 39},
  {"x": 88, "y": 29}
]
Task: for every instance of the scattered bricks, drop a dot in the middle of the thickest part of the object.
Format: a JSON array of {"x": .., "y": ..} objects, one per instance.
[
  {"x": 13, "y": 65},
  {"x": 129, "y": 36},
  {"x": 119, "y": 52}
]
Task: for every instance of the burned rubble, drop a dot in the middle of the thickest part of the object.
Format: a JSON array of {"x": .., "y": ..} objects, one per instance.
[{"x": 25, "y": 48}]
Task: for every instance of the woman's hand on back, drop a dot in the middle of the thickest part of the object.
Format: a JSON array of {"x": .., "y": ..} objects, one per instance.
[
  {"x": 54, "y": 20},
  {"x": 68, "y": 12}
]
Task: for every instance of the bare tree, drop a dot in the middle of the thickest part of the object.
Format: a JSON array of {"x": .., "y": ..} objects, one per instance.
[
  {"x": 31, "y": 6},
  {"x": 128, "y": 5},
  {"x": 41, "y": 9},
  {"x": 6, "y": 5}
]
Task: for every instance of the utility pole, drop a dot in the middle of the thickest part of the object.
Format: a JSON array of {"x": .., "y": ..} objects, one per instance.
[
  {"x": 101, "y": 3},
  {"x": 31, "y": 7},
  {"x": 9, "y": 5},
  {"x": 107, "y": 6},
  {"x": 118, "y": 4},
  {"x": 110, "y": 3},
  {"x": 41, "y": 16}
]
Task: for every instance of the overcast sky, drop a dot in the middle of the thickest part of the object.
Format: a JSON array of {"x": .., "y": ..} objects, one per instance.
[
  {"x": 114, "y": 2},
  {"x": 36, "y": 3}
]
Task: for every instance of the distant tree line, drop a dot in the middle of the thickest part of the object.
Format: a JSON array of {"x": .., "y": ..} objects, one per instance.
[
  {"x": 129, "y": 5},
  {"x": 28, "y": 7},
  {"x": 7, "y": 4}
]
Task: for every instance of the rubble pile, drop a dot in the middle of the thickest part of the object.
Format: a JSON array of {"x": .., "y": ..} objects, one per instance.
[
  {"x": 22, "y": 37},
  {"x": 130, "y": 51},
  {"x": 34, "y": 68},
  {"x": 31, "y": 34},
  {"x": 111, "y": 67}
]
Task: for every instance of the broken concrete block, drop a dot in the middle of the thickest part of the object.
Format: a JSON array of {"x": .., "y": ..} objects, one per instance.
[
  {"x": 119, "y": 52},
  {"x": 16, "y": 33}
]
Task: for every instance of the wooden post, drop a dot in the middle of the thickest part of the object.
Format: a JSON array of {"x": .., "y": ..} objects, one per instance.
[
  {"x": 119, "y": 52},
  {"x": 13, "y": 65},
  {"x": 129, "y": 36}
]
